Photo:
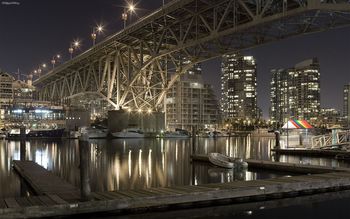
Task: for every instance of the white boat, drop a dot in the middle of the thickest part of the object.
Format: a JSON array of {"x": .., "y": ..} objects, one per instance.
[
  {"x": 74, "y": 134},
  {"x": 221, "y": 160},
  {"x": 129, "y": 133},
  {"x": 205, "y": 134},
  {"x": 228, "y": 162},
  {"x": 93, "y": 132}
]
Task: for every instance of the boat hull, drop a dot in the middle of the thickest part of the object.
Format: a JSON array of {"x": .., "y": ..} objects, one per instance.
[
  {"x": 50, "y": 133},
  {"x": 127, "y": 135},
  {"x": 221, "y": 160},
  {"x": 97, "y": 135}
]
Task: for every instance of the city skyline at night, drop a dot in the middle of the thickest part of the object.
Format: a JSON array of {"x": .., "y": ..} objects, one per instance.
[
  {"x": 174, "y": 109},
  {"x": 34, "y": 31}
]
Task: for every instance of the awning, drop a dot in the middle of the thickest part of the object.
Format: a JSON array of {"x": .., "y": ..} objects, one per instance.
[{"x": 297, "y": 124}]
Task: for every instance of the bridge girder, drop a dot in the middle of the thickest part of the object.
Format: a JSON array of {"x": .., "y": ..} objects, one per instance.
[{"x": 130, "y": 68}]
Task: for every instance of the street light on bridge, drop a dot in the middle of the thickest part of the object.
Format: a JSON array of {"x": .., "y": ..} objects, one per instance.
[
  {"x": 73, "y": 46},
  {"x": 39, "y": 70},
  {"x": 131, "y": 9},
  {"x": 54, "y": 60},
  {"x": 95, "y": 31}
]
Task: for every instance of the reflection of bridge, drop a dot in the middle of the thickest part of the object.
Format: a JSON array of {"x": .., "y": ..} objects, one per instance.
[{"x": 130, "y": 68}]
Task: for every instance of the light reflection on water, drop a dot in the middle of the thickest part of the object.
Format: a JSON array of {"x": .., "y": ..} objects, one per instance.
[{"x": 141, "y": 163}]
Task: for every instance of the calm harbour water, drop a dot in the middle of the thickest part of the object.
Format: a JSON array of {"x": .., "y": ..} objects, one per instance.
[
  {"x": 129, "y": 164},
  {"x": 141, "y": 163}
]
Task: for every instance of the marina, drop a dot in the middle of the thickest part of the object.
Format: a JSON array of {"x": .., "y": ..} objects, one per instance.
[
  {"x": 202, "y": 188},
  {"x": 175, "y": 109},
  {"x": 154, "y": 198}
]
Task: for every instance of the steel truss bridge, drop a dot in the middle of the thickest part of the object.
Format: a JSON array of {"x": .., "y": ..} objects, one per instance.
[{"x": 130, "y": 68}]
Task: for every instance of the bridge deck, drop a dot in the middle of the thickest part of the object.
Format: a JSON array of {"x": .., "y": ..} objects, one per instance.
[{"x": 176, "y": 196}]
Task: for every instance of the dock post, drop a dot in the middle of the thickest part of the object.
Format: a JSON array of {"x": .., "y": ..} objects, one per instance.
[
  {"x": 194, "y": 140},
  {"x": 84, "y": 151},
  {"x": 300, "y": 139},
  {"x": 22, "y": 155},
  {"x": 22, "y": 143},
  {"x": 277, "y": 137}
]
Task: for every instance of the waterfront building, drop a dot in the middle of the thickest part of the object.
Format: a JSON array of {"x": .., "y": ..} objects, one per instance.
[
  {"x": 295, "y": 92},
  {"x": 6, "y": 89},
  {"x": 191, "y": 102},
  {"x": 18, "y": 107},
  {"x": 346, "y": 107},
  {"x": 238, "y": 88},
  {"x": 329, "y": 118},
  {"x": 14, "y": 92}
]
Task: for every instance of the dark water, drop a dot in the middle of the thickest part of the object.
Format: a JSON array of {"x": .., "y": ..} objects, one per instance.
[
  {"x": 143, "y": 163},
  {"x": 133, "y": 163},
  {"x": 322, "y": 206}
]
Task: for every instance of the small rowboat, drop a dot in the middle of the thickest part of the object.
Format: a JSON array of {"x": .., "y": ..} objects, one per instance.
[{"x": 221, "y": 160}]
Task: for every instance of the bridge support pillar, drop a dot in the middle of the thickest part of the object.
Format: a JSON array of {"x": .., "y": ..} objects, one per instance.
[{"x": 148, "y": 122}]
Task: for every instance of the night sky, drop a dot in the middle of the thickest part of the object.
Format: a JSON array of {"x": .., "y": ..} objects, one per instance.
[{"x": 33, "y": 31}]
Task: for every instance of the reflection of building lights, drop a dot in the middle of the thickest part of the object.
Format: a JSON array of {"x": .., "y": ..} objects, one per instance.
[
  {"x": 249, "y": 212},
  {"x": 41, "y": 158},
  {"x": 19, "y": 111},
  {"x": 117, "y": 169},
  {"x": 139, "y": 110},
  {"x": 150, "y": 163},
  {"x": 140, "y": 163},
  {"x": 129, "y": 163},
  {"x": 42, "y": 111}
]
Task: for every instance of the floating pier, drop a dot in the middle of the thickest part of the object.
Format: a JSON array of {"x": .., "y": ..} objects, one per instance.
[
  {"x": 280, "y": 166},
  {"x": 60, "y": 204},
  {"x": 314, "y": 152},
  {"x": 44, "y": 182}
]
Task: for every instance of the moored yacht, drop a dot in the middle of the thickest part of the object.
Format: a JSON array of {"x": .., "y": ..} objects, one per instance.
[
  {"x": 129, "y": 133},
  {"x": 94, "y": 132},
  {"x": 37, "y": 133}
]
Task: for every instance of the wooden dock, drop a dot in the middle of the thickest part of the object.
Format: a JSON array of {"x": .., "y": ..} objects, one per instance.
[
  {"x": 313, "y": 152},
  {"x": 330, "y": 179},
  {"x": 44, "y": 182},
  {"x": 280, "y": 166}
]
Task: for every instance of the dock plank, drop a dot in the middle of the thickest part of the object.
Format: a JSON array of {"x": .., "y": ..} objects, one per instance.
[
  {"x": 57, "y": 199},
  {"x": 24, "y": 202},
  {"x": 66, "y": 202},
  {"x": 2, "y": 204},
  {"x": 11, "y": 203},
  {"x": 45, "y": 182}
]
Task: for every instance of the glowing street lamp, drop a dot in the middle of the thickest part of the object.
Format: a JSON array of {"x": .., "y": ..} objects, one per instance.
[
  {"x": 131, "y": 9},
  {"x": 76, "y": 44},
  {"x": 40, "y": 69},
  {"x": 95, "y": 31},
  {"x": 54, "y": 60},
  {"x": 73, "y": 46}
]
